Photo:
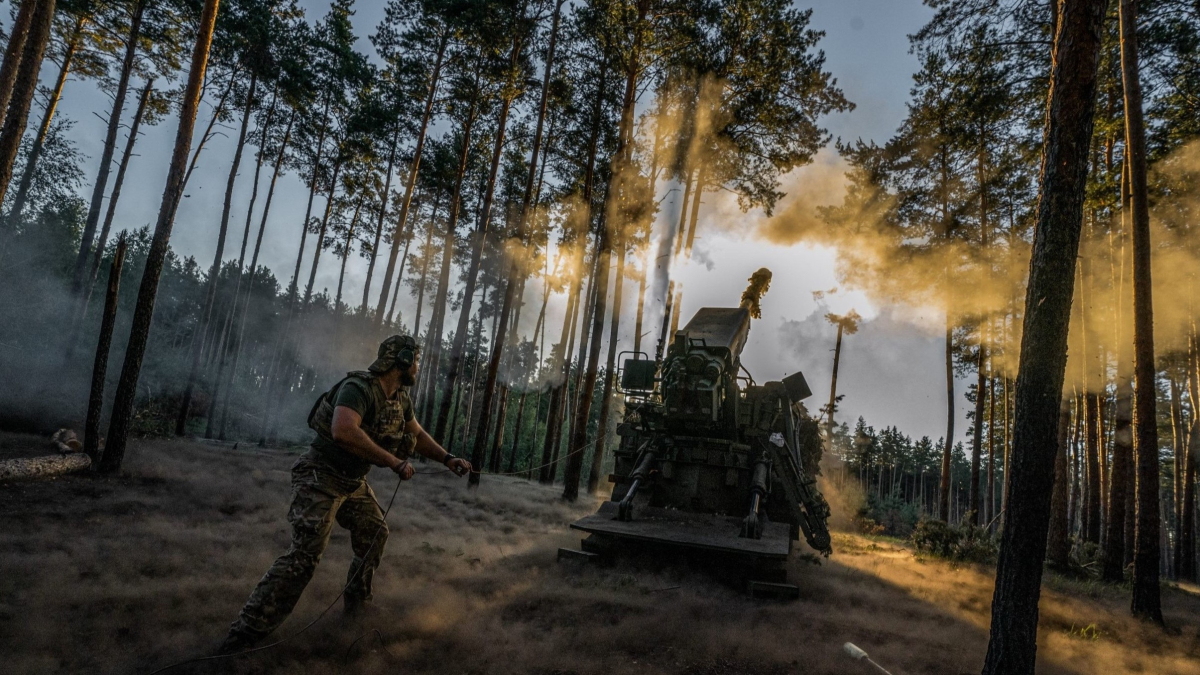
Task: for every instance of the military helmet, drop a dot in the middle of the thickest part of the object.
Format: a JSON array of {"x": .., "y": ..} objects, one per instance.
[{"x": 396, "y": 351}]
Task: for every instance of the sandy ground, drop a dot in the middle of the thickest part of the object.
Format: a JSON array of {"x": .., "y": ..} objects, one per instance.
[{"x": 130, "y": 573}]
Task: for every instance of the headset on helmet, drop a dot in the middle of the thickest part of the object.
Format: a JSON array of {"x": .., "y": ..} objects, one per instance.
[{"x": 408, "y": 351}]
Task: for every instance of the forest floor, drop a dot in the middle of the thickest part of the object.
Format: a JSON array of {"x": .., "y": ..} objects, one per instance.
[{"x": 128, "y": 573}]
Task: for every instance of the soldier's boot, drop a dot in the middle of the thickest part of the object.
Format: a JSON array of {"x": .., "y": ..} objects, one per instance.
[
  {"x": 238, "y": 641},
  {"x": 358, "y": 610}
]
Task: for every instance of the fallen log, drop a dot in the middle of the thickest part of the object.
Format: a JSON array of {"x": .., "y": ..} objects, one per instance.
[{"x": 46, "y": 466}]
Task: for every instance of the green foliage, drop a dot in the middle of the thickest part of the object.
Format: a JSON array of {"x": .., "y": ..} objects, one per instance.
[{"x": 959, "y": 543}]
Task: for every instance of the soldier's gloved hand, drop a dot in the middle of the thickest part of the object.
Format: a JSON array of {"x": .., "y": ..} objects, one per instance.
[{"x": 403, "y": 468}]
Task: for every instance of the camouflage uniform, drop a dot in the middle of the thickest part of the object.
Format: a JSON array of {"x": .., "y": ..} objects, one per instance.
[{"x": 328, "y": 484}]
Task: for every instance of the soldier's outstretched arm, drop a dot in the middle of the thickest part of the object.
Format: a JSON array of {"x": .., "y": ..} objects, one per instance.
[
  {"x": 348, "y": 434},
  {"x": 433, "y": 450}
]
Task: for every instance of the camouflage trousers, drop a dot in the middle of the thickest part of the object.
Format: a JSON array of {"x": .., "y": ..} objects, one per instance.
[{"x": 319, "y": 497}]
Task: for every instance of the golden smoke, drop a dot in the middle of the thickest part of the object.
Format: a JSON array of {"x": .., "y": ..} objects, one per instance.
[{"x": 760, "y": 281}]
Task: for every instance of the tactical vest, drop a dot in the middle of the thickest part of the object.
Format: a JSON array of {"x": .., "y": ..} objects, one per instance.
[{"x": 383, "y": 422}]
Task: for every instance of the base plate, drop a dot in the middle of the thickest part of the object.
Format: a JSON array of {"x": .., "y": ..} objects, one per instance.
[{"x": 691, "y": 530}]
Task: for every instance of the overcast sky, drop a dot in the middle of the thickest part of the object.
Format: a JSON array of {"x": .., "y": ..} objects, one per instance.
[{"x": 892, "y": 370}]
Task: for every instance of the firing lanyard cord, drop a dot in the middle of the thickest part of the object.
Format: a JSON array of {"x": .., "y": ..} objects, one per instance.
[
  {"x": 514, "y": 473},
  {"x": 362, "y": 561}
]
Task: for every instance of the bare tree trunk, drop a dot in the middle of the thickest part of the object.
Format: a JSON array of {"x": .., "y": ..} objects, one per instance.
[
  {"x": 110, "y": 143},
  {"x": 561, "y": 363},
  {"x": 1113, "y": 566},
  {"x": 337, "y": 303},
  {"x": 122, "y": 412},
  {"x": 512, "y": 454},
  {"x": 91, "y": 431},
  {"x": 214, "y": 272},
  {"x": 944, "y": 487},
  {"x": 1179, "y": 452},
  {"x": 294, "y": 289},
  {"x": 1091, "y": 415},
  {"x": 412, "y": 177},
  {"x": 23, "y": 85},
  {"x": 454, "y": 364},
  {"x": 609, "y": 376},
  {"x": 1058, "y": 543},
  {"x": 434, "y": 336},
  {"x": 587, "y": 387},
  {"x": 116, "y": 191},
  {"x": 241, "y": 323},
  {"x": 977, "y": 436},
  {"x": 17, "y": 38},
  {"x": 320, "y": 245},
  {"x": 258, "y": 162},
  {"x": 1146, "y": 600},
  {"x": 514, "y": 266},
  {"x": 1187, "y": 538},
  {"x": 35, "y": 150},
  {"x": 423, "y": 281},
  {"x": 991, "y": 468},
  {"x": 383, "y": 204},
  {"x": 1069, "y": 124}
]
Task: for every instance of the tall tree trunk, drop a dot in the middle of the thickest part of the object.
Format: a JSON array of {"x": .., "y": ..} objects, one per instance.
[
  {"x": 990, "y": 507},
  {"x": 512, "y": 453},
  {"x": 258, "y": 162},
  {"x": 609, "y": 375},
  {"x": 294, "y": 289},
  {"x": 1091, "y": 423},
  {"x": 586, "y": 388},
  {"x": 337, "y": 303},
  {"x": 977, "y": 437},
  {"x": 1113, "y": 561},
  {"x": 91, "y": 432},
  {"x": 412, "y": 177},
  {"x": 1146, "y": 601},
  {"x": 1187, "y": 537},
  {"x": 1043, "y": 359},
  {"x": 948, "y": 448},
  {"x": 1058, "y": 542},
  {"x": 117, "y": 183},
  {"x": 1076, "y": 483},
  {"x": 424, "y": 279},
  {"x": 122, "y": 412},
  {"x": 434, "y": 336},
  {"x": 1179, "y": 450},
  {"x": 23, "y": 88},
  {"x": 620, "y": 164},
  {"x": 218, "y": 110},
  {"x": 17, "y": 37},
  {"x": 383, "y": 204},
  {"x": 262, "y": 226},
  {"x": 515, "y": 266},
  {"x": 110, "y": 142},
  {"x": 320, "y": 245},
  {"x": 214, "y": 272},
  {"x": 35, "y": 150},
  {"x": 560, "y": 364},
  {"x": 408, "y": 235},
  {"x": 454, "y": 363}
]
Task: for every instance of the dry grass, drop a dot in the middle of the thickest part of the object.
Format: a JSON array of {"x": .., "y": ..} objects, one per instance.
[{"x": 129, "y": 573}]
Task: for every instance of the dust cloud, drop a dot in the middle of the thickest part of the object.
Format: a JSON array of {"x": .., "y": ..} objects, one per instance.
[{"x": 130, "y": 573}]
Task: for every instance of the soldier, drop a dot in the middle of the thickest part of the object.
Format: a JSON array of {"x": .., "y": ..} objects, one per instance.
[{"x": 365, "y": 419}]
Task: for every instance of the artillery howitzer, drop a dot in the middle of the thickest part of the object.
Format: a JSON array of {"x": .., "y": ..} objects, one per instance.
[{"x": 709, "y": 461}]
